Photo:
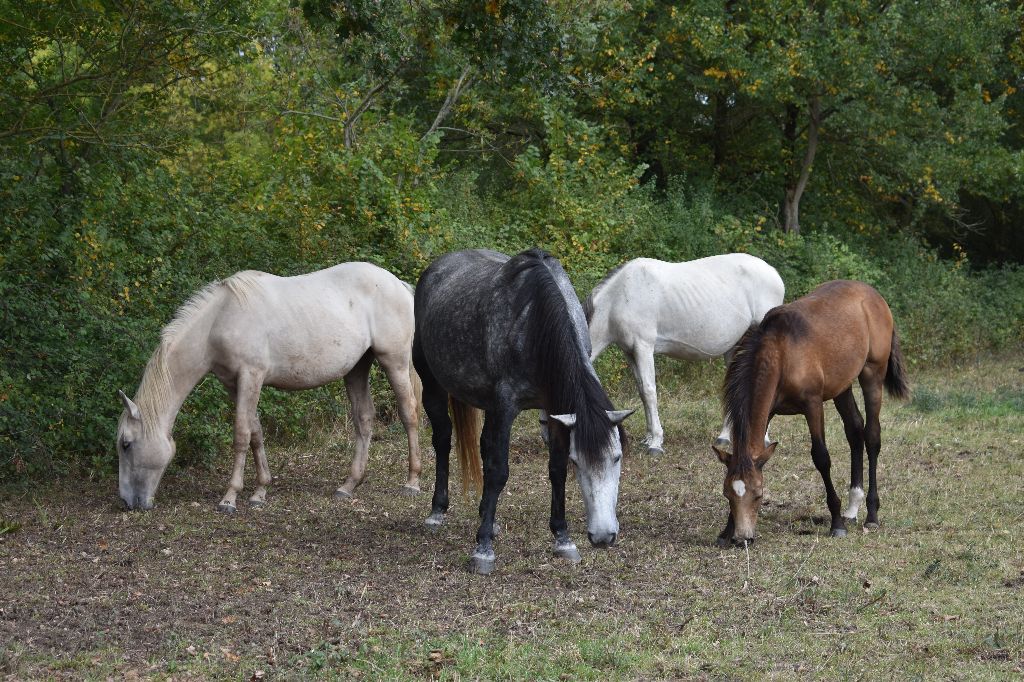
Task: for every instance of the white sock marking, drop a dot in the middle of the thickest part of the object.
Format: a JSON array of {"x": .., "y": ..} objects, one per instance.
[{"x": 856, "y": 497}]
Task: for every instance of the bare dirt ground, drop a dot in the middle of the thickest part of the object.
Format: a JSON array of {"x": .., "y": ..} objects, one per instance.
[{"x": 310, "y": 586}]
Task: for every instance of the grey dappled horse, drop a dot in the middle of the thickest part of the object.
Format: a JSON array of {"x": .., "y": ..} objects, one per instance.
[
  {"x": 695, "y": 310},
  {"x": 503, "y": 335},
  {"x": 254, "y": 329}
]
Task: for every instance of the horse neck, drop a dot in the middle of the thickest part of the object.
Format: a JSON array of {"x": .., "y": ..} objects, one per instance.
[
  {"x": 175, "y": 368},
  {"x": 764, "y": 388}
]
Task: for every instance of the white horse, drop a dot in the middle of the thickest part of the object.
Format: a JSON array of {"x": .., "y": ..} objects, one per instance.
[
  {"x": 254, "y": 329},
  {"x": 691, "y": 311}
]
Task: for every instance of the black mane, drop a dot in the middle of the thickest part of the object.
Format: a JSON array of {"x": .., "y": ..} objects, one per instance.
[
  {"x": 741, "y": 376},
  {"x": 738, "y": 395},
  {"x": 562, "y": 364}
]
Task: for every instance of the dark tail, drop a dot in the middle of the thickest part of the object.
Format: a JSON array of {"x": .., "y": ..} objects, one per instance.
[
  {"x": 896, "y": 374},
  {"x": 467, "y": 422}
]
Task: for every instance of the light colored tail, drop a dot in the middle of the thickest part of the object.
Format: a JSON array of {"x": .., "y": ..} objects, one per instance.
[
  {"x": 417, "y": 390},
  {"x": 468, "y": 423}
]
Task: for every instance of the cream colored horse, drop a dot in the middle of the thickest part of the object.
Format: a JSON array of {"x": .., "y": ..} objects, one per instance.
[{"x": 254, "y": 329}]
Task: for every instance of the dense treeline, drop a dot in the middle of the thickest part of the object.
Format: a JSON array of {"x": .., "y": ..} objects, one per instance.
[{"x": 150, "y": 147}]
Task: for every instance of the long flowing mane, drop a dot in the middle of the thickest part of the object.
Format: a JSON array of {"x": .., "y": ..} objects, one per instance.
[
  {"x": 155, "y": 388},
  {"x": 738, "y": 395},
  {"x": 588, "y": 305},
  {"x": 741, "y": 377},
  {"x": 561, "y": 363}
]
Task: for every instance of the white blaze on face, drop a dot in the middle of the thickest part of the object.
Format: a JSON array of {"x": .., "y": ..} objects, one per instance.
[
  {"x": 739, "y": 487},
  {"x": 856, "y": 497}
]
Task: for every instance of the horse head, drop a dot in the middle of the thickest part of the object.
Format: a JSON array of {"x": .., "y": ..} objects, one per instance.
[
  {"x": 143, "y": 454},
  {"x": 744, "y": 486},
  {"x": 598, "y": 477}
]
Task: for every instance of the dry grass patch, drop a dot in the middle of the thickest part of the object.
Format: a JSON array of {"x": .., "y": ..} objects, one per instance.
[{"x": 314, "y": 587}]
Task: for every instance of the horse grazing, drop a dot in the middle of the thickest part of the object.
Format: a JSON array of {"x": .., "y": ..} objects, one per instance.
[
  {"x": 689, "y": 311},
  {"x": 503, "y": 335},
  {"x": 801, "y": 355},
  {"x": 253, "y": 330}
]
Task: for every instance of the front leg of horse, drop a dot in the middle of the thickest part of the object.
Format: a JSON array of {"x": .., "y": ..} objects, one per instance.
[
  {"x": 564, "y": 547},
  {"x": 725, "y": 537},
  {"x": 823, "y": 463},
  {"x": 641, "y": 361},
  {"x": 247, "y": 394}
]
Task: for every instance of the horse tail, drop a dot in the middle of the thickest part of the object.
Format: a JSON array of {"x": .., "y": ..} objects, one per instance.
[
  {"x": 896, "y": 374},
  {"x": 467, "y": 422},
  {"x": 417, "y": 389}
]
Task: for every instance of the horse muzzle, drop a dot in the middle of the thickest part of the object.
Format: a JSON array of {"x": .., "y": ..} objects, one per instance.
[
  {"x": 602, "y": 539},
  {"x": 137, "y": 502}
]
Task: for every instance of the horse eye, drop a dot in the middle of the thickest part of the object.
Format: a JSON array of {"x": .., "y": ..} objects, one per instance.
[
  {"x": 126, "y": 444},
  {"x": 618, "y": 458}
]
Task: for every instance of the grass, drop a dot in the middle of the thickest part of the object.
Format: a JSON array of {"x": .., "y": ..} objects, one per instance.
[{"x": 313, "y": 588}]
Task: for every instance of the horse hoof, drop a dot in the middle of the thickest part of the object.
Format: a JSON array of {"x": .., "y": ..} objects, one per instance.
[
  {"x": 655, "y": 451},
  {"x": 850, "y": 520},
  {"x": 722, "y": 442},
  {"x": 481, "y": 564},
  {"x": 408, "y": 491},
  {"x": 434, "y": 521},
  {"x": 871, "y": 524},
  {"x": 838, "y": 532},
  {"x": 226, "y": 508},
  {"x": 723, "y": 543},
  {"x": 340, "y": 494},
  {"x": 257, "y": 504},
  {"x": 568, "y": 552}
]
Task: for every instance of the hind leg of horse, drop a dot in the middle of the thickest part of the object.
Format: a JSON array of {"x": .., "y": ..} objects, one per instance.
[
  {"x": 247, "y": 394},
  {"x": 853, "y": 425},
  {"x": 398, "y": 373},
  {"x": 357, "y": 386},
  {"x": 815, "y": 415},
  {"x": 871, "y": 385},
  {"x": 641, "y": 361},
  {"x": 259, "y": 454},
  {"x": 558, "y": 465},
  {"x": 494, "y": 443},
  {"x": 435, "y": 404}
]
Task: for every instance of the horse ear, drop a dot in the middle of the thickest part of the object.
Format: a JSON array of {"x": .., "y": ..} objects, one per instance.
[
  {"x": 723, "y": 455},
  {"x": 133, "y": 410},
  {"x": 768, "y": 452},
  {"x": 619, "y": 416},
  {"x": 566, "y": 420}
]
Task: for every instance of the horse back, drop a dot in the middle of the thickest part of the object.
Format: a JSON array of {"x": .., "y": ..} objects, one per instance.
[
  {"x": 695, "y": 309},
  {"x": 309, "y": 329},
  {"x": 832, "y": 334},
  {"x": 458, "y": 308}
]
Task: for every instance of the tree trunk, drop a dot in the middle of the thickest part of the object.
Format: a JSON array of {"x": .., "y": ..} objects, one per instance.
[{"x": 795, "y": 189}]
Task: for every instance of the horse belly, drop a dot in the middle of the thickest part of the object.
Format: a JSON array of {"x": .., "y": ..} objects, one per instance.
[{"x": 699, "y": 337}]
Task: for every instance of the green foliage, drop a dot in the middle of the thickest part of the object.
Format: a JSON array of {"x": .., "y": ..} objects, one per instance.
[{"x": 289, "y": 138}]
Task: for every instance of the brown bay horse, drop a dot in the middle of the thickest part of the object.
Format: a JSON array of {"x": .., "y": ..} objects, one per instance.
[{"x": 802, "y": 354}]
